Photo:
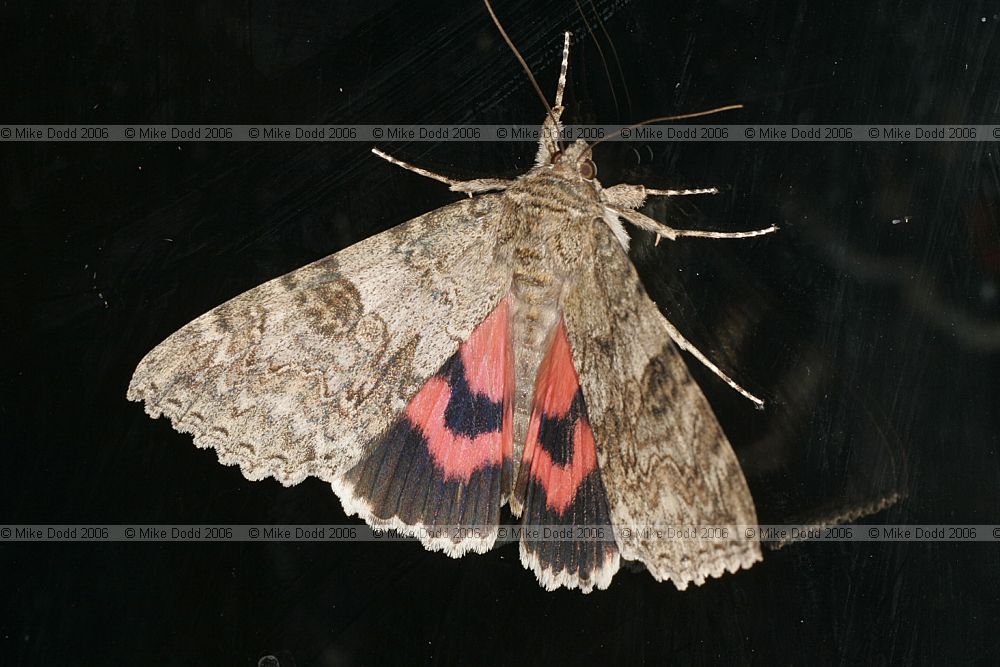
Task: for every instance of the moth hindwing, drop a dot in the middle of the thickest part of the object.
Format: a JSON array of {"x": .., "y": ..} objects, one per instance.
[{"x": 498, "y": 350}]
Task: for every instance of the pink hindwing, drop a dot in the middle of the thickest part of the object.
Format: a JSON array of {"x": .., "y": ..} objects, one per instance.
[
  {"x": 447, "y": 461},
  {"x": 560, "y": 482}
]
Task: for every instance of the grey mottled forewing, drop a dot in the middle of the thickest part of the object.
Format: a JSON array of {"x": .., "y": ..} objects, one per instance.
[
  {"x": 298, "y": 376},
  {"x": 663, "y": 456}
]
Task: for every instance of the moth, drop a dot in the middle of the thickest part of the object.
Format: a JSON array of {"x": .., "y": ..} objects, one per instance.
[{"x": 498, "y": 350}]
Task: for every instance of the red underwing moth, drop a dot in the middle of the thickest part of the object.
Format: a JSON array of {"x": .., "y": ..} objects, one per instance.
[{"x": 498, "y": 350}]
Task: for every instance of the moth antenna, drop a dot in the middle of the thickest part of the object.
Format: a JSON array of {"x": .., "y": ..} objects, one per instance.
[
  {"x": 524, "y": 65},
  {"x": 664, "y": 119},
  {"x": 614, "y": 52},
  {"x": 604, "y": 61}
]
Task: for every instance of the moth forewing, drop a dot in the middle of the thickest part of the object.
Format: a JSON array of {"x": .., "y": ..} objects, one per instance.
[
  {"x": 665, "y": 460},
  {"x": 297, "y": 377}
]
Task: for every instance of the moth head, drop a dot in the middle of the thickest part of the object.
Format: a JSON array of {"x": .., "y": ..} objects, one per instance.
[{"x": 575, "y": 162}]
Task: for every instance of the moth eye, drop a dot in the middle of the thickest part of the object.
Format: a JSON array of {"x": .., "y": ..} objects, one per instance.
[{"x": 588, "y": 169}]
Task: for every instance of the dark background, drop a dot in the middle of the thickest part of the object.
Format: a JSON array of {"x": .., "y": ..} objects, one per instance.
[{"x": 875, "y": 344}]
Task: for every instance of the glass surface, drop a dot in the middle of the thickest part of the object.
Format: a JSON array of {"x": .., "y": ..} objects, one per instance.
[{"x": 873, "y": 342}]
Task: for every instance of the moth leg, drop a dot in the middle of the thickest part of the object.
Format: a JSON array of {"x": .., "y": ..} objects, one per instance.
[
  {"x": 662, "y": 231},
  {"x": 684, "y": 344},
  {"x": 626, "y": 195},
  {"x": 475, "y": 186},
  {"x": 548, "y": 144},
  {"x": 681, "y": 193},
  {"x": 561, "y": 86}
]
